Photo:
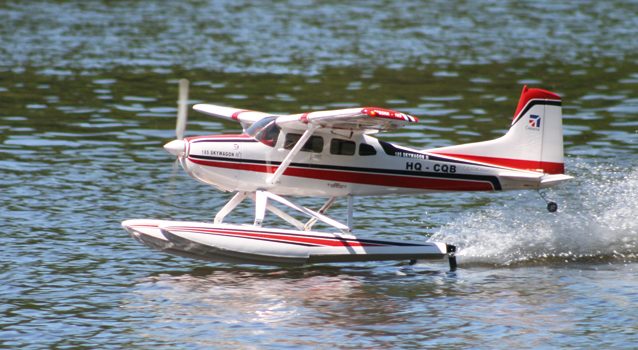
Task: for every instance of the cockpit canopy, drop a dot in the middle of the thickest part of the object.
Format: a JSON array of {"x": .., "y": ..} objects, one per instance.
[{"x": 265, "y": 131}]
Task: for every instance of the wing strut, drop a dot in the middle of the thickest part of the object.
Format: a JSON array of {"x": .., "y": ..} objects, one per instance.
[{"x": 293, "y": 152}]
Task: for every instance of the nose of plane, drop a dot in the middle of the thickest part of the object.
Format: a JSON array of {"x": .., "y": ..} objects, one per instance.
[{"x": 176, "y": 147}]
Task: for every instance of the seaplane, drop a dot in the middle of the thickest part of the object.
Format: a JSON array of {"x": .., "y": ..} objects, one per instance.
[{"x": 333, "y": 154}]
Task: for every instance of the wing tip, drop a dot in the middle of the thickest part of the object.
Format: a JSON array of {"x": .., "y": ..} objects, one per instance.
[{"x": 378, "y": 112}]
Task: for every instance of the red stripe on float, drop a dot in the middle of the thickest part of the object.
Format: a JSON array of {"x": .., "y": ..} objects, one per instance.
[{"x": 328, "y": 242}]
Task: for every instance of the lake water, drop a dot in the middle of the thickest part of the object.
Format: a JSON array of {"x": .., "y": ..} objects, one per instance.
[{"x": 87, "y": 99}]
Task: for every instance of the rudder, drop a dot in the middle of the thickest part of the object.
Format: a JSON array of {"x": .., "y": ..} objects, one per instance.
[{"x": 533, "y": 142}]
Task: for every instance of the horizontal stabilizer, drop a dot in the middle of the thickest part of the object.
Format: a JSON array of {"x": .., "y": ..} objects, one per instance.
[
  {"x": 551, "y": 180},
  {"x": 520, "y": 176}
]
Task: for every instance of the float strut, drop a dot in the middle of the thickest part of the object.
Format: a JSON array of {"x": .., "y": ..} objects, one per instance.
[{"x": 451, "y": 256}]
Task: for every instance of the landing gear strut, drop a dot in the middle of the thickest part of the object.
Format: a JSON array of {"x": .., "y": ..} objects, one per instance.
[{"x": 552, "y": 207}]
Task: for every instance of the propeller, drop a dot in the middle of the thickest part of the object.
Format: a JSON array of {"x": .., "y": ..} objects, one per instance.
[
  {"x": 177, "y": 146},
  {"x": 182, "y": 109}
]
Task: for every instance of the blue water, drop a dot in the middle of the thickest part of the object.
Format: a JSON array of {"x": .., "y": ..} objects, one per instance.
[{"x": 87, "y": 99}]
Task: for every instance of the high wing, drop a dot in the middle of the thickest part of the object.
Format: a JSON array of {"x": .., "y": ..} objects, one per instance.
[
  {"x": 365, "y": 120},
  {"x": 244, "y": 116}
]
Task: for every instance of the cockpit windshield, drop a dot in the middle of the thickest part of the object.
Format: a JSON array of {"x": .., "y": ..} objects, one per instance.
[{"x": 265, "y": 131}]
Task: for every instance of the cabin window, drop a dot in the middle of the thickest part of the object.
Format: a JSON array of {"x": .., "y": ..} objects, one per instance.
[
  {"x": 342, "y": 147},
  {"x": 314, "y": 143},
  {"x": 265, "y": 131},
  {"x": 388, "y": 148},
  {"x": 367, "y": 150}
]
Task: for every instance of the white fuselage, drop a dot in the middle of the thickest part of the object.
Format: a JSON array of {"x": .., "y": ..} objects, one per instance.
[{"x": 335, "y": 165}]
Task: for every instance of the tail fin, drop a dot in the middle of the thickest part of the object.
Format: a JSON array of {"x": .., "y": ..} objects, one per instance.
[{"x": 533, "y": 142}]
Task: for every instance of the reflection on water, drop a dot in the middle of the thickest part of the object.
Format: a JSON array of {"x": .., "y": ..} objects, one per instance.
[
  {"x": 318, "y": 302},
  {"x": 377, "y": 307},
  {"x": 250, "y": 303}
]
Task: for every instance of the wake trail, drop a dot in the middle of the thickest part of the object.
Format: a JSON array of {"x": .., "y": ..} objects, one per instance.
[{"x": 597, "y": 221}]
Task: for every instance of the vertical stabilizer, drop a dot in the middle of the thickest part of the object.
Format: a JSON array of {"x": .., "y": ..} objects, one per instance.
[{"x": 533, "y": 142}]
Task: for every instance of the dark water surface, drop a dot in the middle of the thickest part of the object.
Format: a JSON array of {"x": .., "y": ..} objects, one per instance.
[{"x": 87, "y": 99}]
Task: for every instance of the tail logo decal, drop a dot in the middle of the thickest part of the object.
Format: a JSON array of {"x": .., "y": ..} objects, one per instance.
[{"x": 534, "y": 122}]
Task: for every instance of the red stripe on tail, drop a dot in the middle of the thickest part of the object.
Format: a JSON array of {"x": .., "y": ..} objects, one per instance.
[
  {"x": 533, "y": 165},
  {"x": 533, "y": 93}
]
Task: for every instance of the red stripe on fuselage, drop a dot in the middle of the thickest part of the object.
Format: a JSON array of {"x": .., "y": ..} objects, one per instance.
[
  {"x": 533, "y": 165},
  {"x": 359, "y": 177}
]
